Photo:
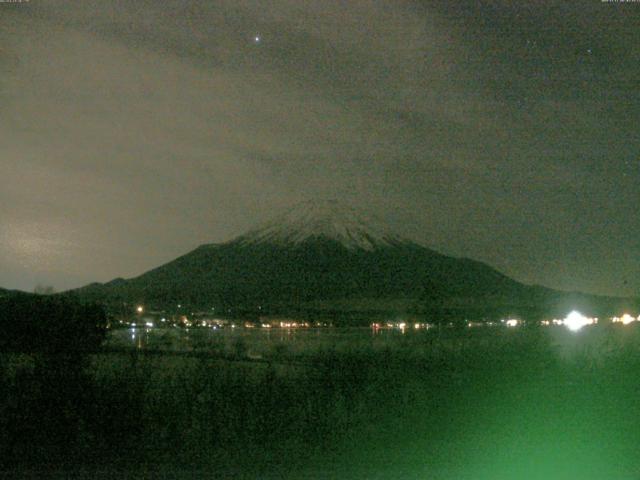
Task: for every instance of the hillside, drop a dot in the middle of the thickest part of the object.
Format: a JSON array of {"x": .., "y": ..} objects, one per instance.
[{"x": 322, "y": 256}]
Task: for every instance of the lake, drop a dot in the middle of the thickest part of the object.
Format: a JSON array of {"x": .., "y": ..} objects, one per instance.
[{"x": 295, "y": 343}]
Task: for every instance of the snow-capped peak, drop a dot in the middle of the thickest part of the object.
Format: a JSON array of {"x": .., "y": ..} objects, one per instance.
[{"x": 324, "y": 219}]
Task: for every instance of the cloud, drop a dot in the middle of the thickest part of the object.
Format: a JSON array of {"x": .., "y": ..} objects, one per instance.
[{"x": 142, "y": 129}]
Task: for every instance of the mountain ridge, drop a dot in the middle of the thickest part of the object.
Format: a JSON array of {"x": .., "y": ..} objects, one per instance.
[{"x": 325, "y": 254}]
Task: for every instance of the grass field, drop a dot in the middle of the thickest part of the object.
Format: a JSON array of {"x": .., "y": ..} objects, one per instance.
[{"x": 503, "y": 404}]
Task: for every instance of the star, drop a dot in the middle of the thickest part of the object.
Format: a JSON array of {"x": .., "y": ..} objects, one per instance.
[{"x": 257, "y": 39}]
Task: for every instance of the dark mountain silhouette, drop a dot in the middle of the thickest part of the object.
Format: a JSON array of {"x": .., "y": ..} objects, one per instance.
[{"x": 322, "y": 256}]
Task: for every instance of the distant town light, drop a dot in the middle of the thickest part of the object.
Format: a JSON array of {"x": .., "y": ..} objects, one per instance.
[
  {"x": 625, "y": 319},
  {"x": 512, "y": 322},
  {"x": 140, "y": 309}
]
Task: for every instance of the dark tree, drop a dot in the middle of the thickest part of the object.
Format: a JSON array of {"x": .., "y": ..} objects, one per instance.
[{"x": 35, "y": 323}]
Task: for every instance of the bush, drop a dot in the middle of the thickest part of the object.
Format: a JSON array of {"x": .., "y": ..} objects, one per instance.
[{"x": 32, "y": 323}]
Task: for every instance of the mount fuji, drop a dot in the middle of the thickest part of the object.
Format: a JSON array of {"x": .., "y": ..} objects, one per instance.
[
  {"x": 323, "y": 256},
  {"x": 327, "y": 220}
]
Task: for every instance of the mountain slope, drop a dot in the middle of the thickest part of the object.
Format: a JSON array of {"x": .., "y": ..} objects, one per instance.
[{"x": 322, "y": 253}]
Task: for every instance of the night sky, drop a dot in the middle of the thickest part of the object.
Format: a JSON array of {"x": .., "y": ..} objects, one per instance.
[{"x": 133, "y": 131}]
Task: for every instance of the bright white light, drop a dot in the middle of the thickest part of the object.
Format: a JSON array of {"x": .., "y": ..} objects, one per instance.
[
  {"x": 140, "y": 309},
  {"x": 512, "y": 322},
  {"x": 625, "y": 319},
  {"x": 257, "y": 38},
  {"x": 575, "y": 321},
  {"x": 149, "y": 324}
]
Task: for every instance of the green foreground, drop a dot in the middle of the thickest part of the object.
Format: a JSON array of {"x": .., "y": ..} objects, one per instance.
[{"x": 512, "y": 404}]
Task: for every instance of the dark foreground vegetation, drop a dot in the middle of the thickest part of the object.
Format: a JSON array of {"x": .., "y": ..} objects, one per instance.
[
  {"x": 37, "y": 323},
  {"x": 512, "y": 405}
]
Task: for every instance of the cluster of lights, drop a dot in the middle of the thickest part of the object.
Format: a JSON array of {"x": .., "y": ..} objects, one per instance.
[
  {"x": 574, "y": 321},
  {"x": 401, "y": 326},
  {"x": 512, "y": 322},
  {"x": 294, "y": 325},
  {"x": 625, "y": 319}
]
